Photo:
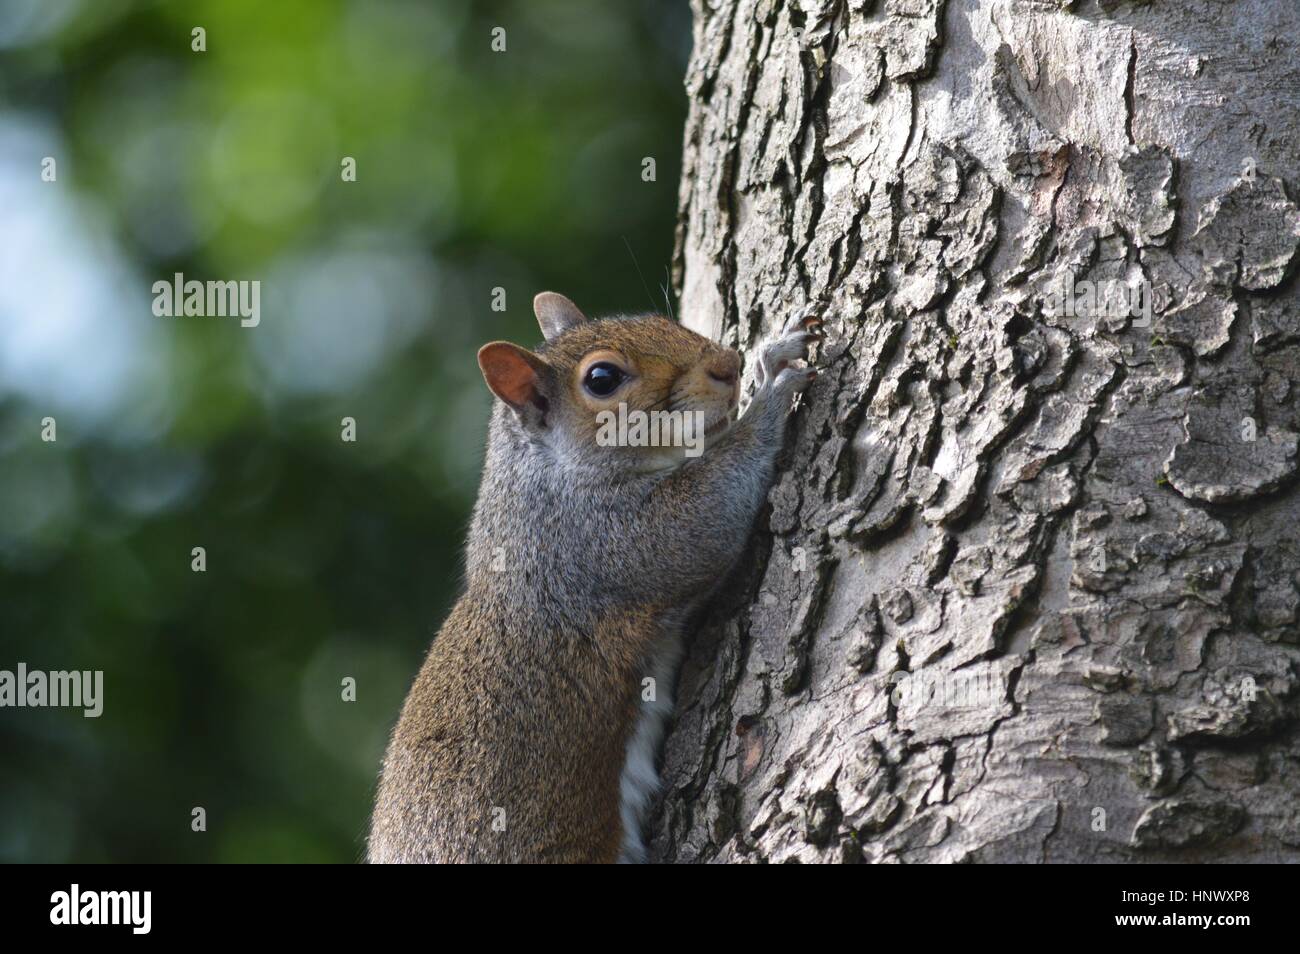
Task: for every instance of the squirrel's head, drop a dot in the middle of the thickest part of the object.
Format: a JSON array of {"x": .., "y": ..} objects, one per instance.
[{"x": 633, "y": 394}]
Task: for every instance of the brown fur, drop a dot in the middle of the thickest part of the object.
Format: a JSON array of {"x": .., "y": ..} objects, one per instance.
[{"x": 580, "y": 561}]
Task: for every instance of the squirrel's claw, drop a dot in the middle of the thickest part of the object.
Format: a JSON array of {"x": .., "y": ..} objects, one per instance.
[
  {"x": 776, "y": 356},
  {"x": 795, "y": 380},
  {"x": 805, "y": 320}
]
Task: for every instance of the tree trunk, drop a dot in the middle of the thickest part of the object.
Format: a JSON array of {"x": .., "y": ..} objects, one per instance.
[{"x": 1028, "y": 587}]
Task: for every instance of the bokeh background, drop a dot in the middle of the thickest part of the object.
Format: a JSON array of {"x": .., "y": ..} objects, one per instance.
[{"x": 475, "y": 170}]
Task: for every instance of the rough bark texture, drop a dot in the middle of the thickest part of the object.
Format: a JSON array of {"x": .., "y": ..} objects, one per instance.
[{"x": 1030, "y": 587}]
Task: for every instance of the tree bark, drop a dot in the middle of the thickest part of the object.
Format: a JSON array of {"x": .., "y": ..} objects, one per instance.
[{"x": 1028, "y": 589}]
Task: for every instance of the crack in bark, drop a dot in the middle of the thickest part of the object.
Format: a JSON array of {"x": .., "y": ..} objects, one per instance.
[{"x": 978, "y": 485}]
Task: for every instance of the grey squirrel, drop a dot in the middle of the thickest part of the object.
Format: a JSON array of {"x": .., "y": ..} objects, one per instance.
[{"x": 525, "y": 737}]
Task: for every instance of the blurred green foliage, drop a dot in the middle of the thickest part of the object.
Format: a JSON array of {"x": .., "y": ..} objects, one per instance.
[{"x": 475, "y": 170}]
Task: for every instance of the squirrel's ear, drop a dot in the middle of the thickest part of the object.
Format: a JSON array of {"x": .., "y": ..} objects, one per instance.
[
  {"x": 556, "y": 314},
  {"x": 514, "y": 374}
]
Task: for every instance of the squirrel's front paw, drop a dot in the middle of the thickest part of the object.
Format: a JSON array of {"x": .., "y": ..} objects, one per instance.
[{"x": 790, "y": 344}]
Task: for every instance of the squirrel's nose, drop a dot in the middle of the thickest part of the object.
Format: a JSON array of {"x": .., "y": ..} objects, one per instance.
[{"x": 725, "y": 368}]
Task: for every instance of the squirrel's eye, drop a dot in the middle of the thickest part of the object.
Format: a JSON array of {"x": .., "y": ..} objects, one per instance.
[{"x": 602, "y": 378}]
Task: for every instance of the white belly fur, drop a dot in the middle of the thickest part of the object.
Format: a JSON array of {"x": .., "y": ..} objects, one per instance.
[{"x": 640, "y": 779}]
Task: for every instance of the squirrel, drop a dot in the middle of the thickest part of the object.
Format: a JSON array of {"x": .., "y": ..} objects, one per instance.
[{"x": 526, "y": 736}]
